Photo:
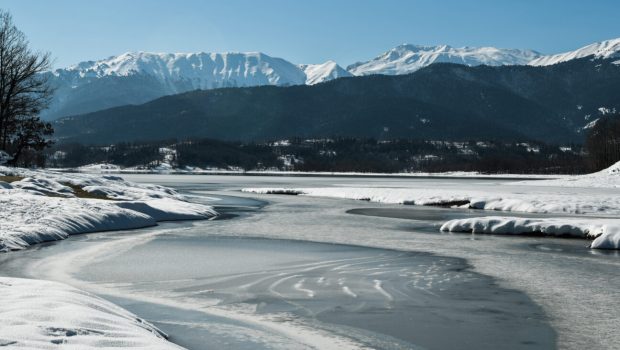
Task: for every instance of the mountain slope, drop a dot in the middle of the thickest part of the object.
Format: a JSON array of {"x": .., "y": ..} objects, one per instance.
[
  {"x": 605, "y": 49},
  {"x": 134, "y": 78},
  {"x": 139, "y": 77},
  {"x": 200, "y": 70},
  {"x": 320, "y": 73},
  {"x": 440, "y": 102},
  {"x": 407, "y": 58}
]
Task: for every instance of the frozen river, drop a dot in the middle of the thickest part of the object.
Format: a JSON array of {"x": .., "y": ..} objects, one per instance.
[{"x": 288, "y": 272}]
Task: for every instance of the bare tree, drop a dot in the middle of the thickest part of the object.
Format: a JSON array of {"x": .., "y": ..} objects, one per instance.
[{"x": 24, "y": 92}]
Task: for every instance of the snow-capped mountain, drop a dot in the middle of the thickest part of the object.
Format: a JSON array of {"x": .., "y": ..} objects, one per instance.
[
  {"x": 319, "y": 73},
  {"x": 406, "y": 58},
  {"x": 604, "y": 49},
  {"x": 200, "y": 70},
  {"x": 137, "y": 77}
]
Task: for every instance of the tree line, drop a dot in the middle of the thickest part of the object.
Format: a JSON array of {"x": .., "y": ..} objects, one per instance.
[{"x": 332, "y": 155}]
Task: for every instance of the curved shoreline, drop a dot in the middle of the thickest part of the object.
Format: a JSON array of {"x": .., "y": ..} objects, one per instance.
[
  {"x": 65, "y": 265},
  {"x": 512, "y": 269}
]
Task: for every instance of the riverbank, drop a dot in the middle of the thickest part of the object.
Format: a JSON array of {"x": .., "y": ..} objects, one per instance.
[
  {"x": 583, "y": 196},
  {"x": 41, "y": 206},
  {"x": 570, "y": 282}
]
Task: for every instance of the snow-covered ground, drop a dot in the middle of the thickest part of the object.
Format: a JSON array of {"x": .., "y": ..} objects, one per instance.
[
  {"x": 167, "y": 168},
  {"x": 39, "y": 206},
  {"x": 513, "y": 199},
  {"x": 37, "y": 314}
]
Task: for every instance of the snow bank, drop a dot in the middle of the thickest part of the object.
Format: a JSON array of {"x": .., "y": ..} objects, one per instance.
[
  {"x": 37, "y": 314},
  {"x": 27, "y": 219},
  {"x": 606, "y": 233},
  {"x": 559, "y": 202},
  {"x": 44, "y": 206},
  {"x": 607, "y": 178}
]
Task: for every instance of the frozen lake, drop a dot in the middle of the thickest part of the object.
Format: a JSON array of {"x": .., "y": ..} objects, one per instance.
[{"x": 286, "y": 272}]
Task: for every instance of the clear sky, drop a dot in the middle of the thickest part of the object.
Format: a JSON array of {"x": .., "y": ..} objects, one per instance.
[{"x": 307, "y": 31}]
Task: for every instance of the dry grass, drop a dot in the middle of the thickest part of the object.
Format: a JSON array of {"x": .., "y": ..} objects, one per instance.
[
  {"x": 10, "y": 178},
  {"x": 77, "y": 190},
  {"x": 80, "y": 193}
]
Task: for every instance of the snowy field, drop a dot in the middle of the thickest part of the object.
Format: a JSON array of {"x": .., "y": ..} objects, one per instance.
[
  {"x": 41, "y": 206},
  {"x": 593, "y": 195}
]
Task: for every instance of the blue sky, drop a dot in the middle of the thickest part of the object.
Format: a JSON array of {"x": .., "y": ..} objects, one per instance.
[{"x": 307, "y": 31}]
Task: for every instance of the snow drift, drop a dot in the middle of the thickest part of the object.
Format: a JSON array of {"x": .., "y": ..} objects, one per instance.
[
  {"x": 606, "y": 233},
  {"x": 37, "y": 314},
  {"x": 44, "y": 206}
]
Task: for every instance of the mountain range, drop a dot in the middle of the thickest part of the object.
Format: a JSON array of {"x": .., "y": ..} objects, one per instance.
[
  {"x": 443, "y": 101},
  {"x": 139, "y": 77}
]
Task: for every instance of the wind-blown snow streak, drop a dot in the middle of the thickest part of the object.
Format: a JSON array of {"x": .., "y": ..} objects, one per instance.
[
  {"x": 37, "y": 314},
  {"x": 44, "y": 207}
]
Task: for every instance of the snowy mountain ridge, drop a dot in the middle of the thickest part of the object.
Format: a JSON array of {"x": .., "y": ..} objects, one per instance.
[
  {"x": 202, "y": 70},
  {"x": 138, "y": 77},
  {"x": 408, "y": 58},
  {"x": 604, "y": 49},
  {"x": 209, "y": 70}
]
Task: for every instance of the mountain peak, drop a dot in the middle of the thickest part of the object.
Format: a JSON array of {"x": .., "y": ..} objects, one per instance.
[{"x": 320, "y": 73}]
